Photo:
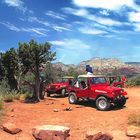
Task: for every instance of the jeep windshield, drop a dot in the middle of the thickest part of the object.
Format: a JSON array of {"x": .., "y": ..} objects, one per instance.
[{"x": 98, "y": 80}]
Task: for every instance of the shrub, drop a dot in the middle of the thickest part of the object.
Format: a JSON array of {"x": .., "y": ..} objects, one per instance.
[
  {"x": 134, "y": 119},
  {"x": 4, "y": 87},
  {"x": 8, "y": 97},
  {"x": 15, "y": 94},
  {"x": 24, "y": 96},
  {"x": 1, "y": 107},
  {"x": 134, "y": 81},
  {"x": 1, "y": 103}
]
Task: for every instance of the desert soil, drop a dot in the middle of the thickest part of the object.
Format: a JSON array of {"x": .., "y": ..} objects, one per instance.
[{"x": 83, "y": 117}]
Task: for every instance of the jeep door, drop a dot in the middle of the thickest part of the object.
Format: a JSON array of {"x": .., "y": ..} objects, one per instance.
[
  {"x": 96, "y": 85},
  {"x": 82, "y": 88}
]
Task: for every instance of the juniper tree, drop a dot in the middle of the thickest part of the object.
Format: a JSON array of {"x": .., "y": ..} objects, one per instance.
[{"x": 32, "y": 56}]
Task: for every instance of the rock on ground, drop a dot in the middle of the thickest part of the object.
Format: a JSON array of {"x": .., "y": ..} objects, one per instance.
[
  {"x": 98, "y": 136},
  {"x": 133, "y": 131},
  {"x": 11, "y": 128},
  {"x": 51, "y": 132}
]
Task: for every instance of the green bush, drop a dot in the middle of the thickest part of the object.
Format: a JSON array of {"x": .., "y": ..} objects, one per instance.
[
  {"x": 1, "y": 103},
  {"x": 8, "y": 97},
  {"x": 4, "y": 87},
  {"x": 1, "y": 107},
  {"x": 7, "y": 94},
  {"x": 134, "y": 81},
  {"x": 24, "y": 96},
  {"x": 16, "y": 95}
]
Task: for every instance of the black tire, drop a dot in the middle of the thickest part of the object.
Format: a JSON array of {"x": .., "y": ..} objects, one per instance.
[
  {"x": 63, "y": 92},
  {"x": 72, "y": 98},
  {"x": 121, "y": 103},
  {"x": 102, "y": 103}
]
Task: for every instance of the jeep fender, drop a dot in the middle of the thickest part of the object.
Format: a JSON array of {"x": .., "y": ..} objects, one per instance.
[{"x": 104, "y": 95}]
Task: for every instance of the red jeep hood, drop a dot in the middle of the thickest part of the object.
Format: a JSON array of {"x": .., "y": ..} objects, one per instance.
[{"x": 107, "y": 88}]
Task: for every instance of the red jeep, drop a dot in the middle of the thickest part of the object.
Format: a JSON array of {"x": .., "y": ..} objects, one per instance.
[
  {"x": 59, "y": 87},
  {"x": 96, "y": 88}
]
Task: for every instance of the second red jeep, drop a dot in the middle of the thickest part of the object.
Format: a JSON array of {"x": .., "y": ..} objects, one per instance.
[
  {"x": 98, "y": 89},
  {"x": 60, "y": 86}
]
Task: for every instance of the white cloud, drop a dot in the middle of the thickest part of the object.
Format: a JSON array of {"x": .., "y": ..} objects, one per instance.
[
  {"x": 85, "y": 14},
  {"x": 108, "y": 4},
  {"x": 136, "y": 27},
  {"x": 92, "y": 31},
  {"x": 74, "y": 44},
  {"x": 71, "y": 51},
  {"x": 77, "y": 12},
  {"x": 10, "y": 26},
  {"x": 134, "y": 16},
  {"x": 55, "y": 27},
  {"x": 105, "y": 21},
  {"x": 55, "y": 15},
  {"x": 19, "y": 4},
  {"x": 35, "y": 19},
  {"x": 104, "y": 12},
  {"x": 38, "y": 31},
  {"x": 14, "y": 3},
  {"x": 60, "y": 29}
]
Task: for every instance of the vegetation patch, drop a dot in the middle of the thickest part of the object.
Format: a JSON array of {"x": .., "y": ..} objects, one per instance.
[
  {"x": 134, "y": 81},
  {"x": 1, "y": 107},
  {"x": 8, "y": 97},
  {"x": 134, "y": 119}
]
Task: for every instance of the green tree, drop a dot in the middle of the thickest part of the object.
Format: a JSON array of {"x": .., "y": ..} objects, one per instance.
[
  {"x": 2, "y": 70},
  {"x": 72, "y": 72},
  {"x": 10, "y": 63},
  {"x": 32, "y": 55}
]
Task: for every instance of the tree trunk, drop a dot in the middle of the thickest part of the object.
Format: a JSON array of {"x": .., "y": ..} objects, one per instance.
[{"x": 37, "y": 87}]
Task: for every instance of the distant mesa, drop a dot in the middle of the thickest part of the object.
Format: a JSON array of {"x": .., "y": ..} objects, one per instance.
[{"x": 101, "y": 63}]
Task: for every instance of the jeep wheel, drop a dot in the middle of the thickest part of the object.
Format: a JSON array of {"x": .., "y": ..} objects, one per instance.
[
  {"x": 121, "y": 103},
  {"x": 102, "y": 103},
  {"x": 72, "y": 98},
  {"x": 63, "y": 92}
]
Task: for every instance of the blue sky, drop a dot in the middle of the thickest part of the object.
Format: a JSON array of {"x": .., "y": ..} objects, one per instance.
[{"x": 77, "y": 29}]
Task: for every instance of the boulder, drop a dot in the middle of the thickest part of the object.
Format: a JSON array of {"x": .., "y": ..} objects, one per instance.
[
  {"x": 11, "y": 128},
  {"x": 51, "y": 132},
  {"x": 133, "y": 131},
  {"x": 98, "y": 136},
  {"x": 56, "y": 110}
]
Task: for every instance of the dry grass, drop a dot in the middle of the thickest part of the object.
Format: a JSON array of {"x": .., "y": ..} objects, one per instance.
[
  {"x": 134, "y": 119},
  {"x": 8, "y": 98}
]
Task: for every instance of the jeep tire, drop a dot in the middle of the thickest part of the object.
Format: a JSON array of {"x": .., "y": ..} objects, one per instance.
[
  {"x": 121, "y": 103},
  {"x": 72, "y": 98},
  {"x": 102, "y": 103}
]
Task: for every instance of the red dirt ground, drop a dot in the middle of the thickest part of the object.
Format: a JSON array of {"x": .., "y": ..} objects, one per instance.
[{"x": 84, "y": 116}]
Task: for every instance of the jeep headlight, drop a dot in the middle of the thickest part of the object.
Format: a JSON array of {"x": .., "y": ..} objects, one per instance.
[{"x": 113, "y": 93}]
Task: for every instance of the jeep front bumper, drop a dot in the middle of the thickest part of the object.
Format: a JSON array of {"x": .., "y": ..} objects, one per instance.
[{"x": 120, "y": 99}]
